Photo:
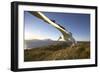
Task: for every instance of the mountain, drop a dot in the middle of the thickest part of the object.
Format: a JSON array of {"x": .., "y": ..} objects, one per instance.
[{"x": 28, "y": 44}]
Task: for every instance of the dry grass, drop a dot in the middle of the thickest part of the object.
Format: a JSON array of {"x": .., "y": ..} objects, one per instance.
[{"x": 60, "y": 51}]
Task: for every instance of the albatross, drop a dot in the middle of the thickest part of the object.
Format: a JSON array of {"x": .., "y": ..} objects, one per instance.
[{"x": 66, "y": 35}]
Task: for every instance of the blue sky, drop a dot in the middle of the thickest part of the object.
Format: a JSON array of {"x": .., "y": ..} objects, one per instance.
[{"x": 78, "y": 24}]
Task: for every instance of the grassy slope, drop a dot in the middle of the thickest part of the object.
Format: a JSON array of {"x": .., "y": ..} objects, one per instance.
[{"x": 59, "y": 51}]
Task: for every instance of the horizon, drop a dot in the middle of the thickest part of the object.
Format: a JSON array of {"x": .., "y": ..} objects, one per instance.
[{"x": 53, "y": 40}]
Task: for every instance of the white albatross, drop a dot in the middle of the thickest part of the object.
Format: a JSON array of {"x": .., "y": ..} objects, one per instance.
[{"x": 66, "y": 35}]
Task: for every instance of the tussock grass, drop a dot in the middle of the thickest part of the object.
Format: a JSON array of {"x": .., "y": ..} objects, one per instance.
[{"x": 60, "y": 51}]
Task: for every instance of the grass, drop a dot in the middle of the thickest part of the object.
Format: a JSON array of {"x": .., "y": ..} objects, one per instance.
[{"x": 60, "y": 51}]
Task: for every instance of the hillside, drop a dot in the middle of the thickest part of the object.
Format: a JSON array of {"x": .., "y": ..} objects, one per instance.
[{"x": 59, "y": 51}]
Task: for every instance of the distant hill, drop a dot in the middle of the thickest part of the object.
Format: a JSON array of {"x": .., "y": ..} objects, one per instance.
[{"x": 39, "y": 43}]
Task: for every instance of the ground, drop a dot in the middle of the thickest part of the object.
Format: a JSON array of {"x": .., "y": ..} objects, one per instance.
[{"x": 60, "y": 51}]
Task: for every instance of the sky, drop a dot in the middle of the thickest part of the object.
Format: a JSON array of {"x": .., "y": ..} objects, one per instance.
[{"x": 77, "y": 24}]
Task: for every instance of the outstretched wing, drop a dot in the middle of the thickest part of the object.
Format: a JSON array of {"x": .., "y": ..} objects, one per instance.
[
  {"x": 37, "y": 14},
  {"x": 66, "y": 34}
]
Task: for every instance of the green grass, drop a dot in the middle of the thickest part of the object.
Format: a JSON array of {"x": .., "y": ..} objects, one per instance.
[{"x": 60, "y": 51}]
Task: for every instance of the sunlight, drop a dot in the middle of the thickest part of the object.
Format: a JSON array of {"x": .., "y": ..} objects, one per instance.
[{"x": 30, "y": 36}]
